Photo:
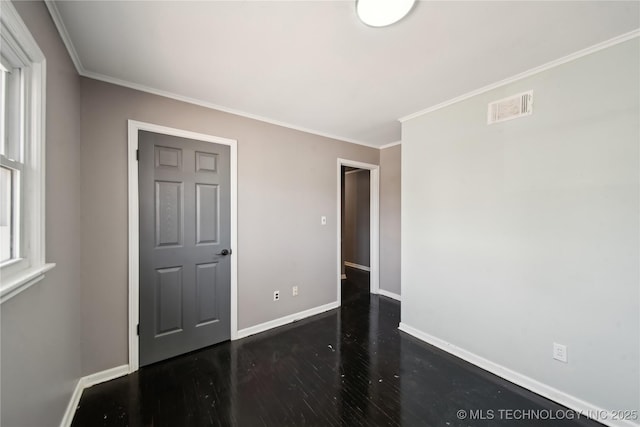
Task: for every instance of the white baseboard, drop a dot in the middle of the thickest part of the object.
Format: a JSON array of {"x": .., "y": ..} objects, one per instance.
[
  {"x": 73, "y": 405},
  {"x": 583, "y": 408},
  {"x": 389, "y": 294},
  {"x": 252, "y": 330},
  {"x": 86, "y": 382},
  {"x": 104, "y": 376},
  {"x": 358, "y": 266}
]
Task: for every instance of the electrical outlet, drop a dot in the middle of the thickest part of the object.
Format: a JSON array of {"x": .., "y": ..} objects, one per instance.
[
  {"x": 294, "y": 291},
  {"x": 560, "y": 352},
  {"x": 276, "y": 295},
  {"x": 323, "y": 220}
]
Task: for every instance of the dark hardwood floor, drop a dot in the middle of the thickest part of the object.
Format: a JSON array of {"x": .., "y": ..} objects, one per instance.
[{"x": 348, "y": 367}]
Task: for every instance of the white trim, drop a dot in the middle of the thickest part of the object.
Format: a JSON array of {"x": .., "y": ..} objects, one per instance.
[
  {"x": 374, "y": 231},
  {"x": 262, "y": 327},
  {"x": 31, "y": 269},
  {"x": 354, "y": 171},
  {"x": 571, "y": 57},
  {"x": 134, "y": 267},
  {"x": 86, "y": 382},
  {"x": 391, "y": 144},
  {"x": 64, "y": 34},
  {"x": 210, "y": 105},
  {"x": 389, "y": 294},
  {"x": 234, "y": 240},
  {"x": 134, "y": 248},
  {"x": 23, "y": 281},
  {"x": 19, "y": 33},
  {"x": 358, "y": 266},
  {"x": 544, "y": 390},
  {"x": 106, "y": 375},
  {"x": 67, "y": 417},
  {"x": 374, "y": 224}
]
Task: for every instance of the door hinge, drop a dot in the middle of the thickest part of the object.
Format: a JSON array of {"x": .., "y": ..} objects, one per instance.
[
  {"x": 138, "y": 155},
  {"x": 138, "y": 329}
]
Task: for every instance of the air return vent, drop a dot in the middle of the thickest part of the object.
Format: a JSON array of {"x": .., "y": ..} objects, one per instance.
[{"x": 510, "y": 108}]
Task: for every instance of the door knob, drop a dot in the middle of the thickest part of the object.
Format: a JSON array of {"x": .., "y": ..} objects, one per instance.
[{"x": 224, "y": 252}]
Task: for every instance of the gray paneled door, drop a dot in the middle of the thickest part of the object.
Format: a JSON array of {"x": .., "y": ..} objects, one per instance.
[{"x": 185, "y": 237}]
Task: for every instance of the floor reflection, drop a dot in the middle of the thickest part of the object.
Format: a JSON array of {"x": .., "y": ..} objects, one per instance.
[{"x": 347, "y": 367}]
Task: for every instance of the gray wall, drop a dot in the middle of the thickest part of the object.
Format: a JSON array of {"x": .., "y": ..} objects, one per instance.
[
  {"x": 287, "y": 181},
  {"x": 41, "y": 360},
  {"x": 525, "y": 233},
  {"x": 357, "y": 217},
  {"x": 390, "y": 219}
]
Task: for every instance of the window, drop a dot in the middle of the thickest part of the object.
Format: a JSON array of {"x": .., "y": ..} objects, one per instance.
[
  {"x": 8, "y": 248},
  {"x": 22, "y": 95}
]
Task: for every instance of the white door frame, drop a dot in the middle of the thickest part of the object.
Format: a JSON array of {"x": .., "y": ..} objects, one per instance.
[
  {"x": 134, "y": 236},
  {"x": 374, "y": 224}
]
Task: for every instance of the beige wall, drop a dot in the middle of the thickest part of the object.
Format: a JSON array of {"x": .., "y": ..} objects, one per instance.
[
  {"x": 286, "y": 182},
  {"x": 58, "y": 330},
  {"x": 390, "y": 219},
  {"x": 357, "y": 217},
  {"x": 41, "y": 355}
]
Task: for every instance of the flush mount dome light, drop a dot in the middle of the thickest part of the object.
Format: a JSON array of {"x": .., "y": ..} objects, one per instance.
[{"x": 380, "y": 13}]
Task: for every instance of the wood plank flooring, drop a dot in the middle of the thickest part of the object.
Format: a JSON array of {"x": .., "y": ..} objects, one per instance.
[{"x": 347, "y": 367}]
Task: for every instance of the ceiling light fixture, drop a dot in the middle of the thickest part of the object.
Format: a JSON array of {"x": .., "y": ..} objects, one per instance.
[{"x": 380, "y": 13}]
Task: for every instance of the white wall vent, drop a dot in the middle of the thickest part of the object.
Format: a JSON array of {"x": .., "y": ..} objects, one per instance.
[{"x": 510, "y": 108}]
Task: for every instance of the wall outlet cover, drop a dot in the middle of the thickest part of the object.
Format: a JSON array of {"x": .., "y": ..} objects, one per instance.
[{"x": 560, "y": 352}]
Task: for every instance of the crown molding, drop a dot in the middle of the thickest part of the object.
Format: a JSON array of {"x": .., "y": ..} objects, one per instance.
[
  {"x": 212, "y": 106},
  {"x": 389, "y": 145},
  {"x": 64, "y": 34},
  {"x": 555, "y": 63}
]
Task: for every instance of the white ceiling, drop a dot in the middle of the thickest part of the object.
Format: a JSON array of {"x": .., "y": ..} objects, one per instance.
[{"x": 314, "y": 65}]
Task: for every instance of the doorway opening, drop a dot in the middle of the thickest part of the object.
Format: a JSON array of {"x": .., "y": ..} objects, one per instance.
[
  {"x": 358, "y": 228},
  {"x": 356, "y": 221}
]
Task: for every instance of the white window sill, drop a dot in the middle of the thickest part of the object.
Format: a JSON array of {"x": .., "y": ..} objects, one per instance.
[{"x": 22, "y": 281}]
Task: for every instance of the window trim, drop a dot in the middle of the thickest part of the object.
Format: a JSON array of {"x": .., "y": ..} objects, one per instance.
[{"x": 17, "y": 38}]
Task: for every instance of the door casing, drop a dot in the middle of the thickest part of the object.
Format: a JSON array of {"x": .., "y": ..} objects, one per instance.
[
  {"x": 374, "y": 224},
  {"x": 134, "y": 263}
]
